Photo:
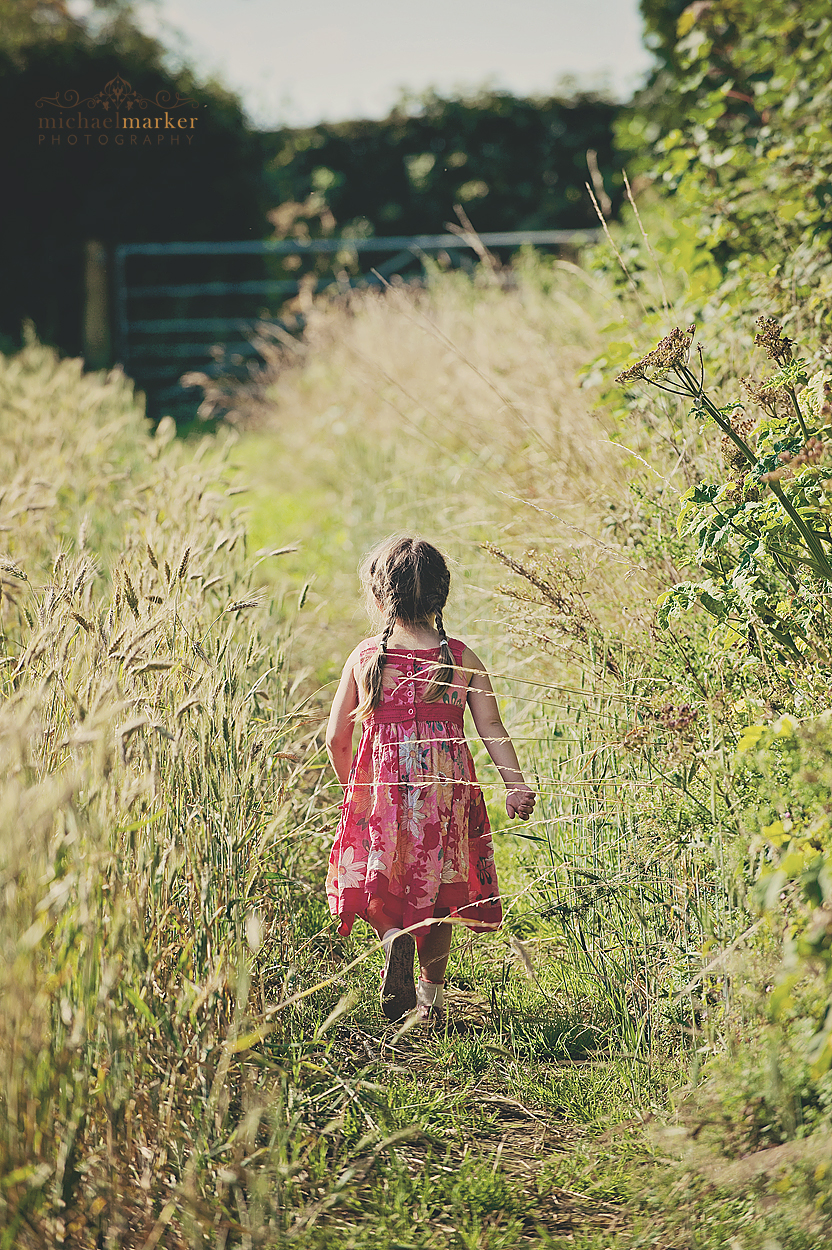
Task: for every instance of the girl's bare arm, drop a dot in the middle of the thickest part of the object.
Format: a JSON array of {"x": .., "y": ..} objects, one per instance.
[
  {"x": 339, "y": 729},
  {"x": 520, "y": 798}
]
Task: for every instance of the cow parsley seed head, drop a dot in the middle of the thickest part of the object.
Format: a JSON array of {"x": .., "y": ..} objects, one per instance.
[
  {"x": 670, "y": 353},
  {"x": 770, "y": 336}
]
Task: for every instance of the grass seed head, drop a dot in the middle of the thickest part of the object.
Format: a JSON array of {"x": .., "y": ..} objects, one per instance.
[{"x": 240, "y": 605}]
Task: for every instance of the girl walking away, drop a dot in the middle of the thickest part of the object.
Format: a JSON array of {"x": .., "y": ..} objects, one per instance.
[{"x": 413, "y": 847}]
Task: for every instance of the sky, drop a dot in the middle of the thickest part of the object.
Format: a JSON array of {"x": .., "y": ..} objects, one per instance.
[{"x": 299, "y": 62}]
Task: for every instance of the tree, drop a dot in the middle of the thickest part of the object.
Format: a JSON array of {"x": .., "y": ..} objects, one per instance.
[
  {"x": 59, "y": 196},
  {"x": 514, "y": 164},
  {"x": 743, "y": 133}
]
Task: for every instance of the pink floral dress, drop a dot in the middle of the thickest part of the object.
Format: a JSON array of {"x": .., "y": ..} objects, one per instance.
[{"x": 414, "y": 830}]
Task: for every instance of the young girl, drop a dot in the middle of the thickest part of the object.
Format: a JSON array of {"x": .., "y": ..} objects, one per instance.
[{"x": 413, "y": 842}]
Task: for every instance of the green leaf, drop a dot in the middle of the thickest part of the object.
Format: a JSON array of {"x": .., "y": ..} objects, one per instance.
[
  {"x": 750, "y": 737},
  {"x": 687, "y": 510},
  {"x": 788, "y": 375},
  {"x": 705, "y": 492},
  {"x": 712, "y": 605},
  {"x": 140, "y": 1005}
]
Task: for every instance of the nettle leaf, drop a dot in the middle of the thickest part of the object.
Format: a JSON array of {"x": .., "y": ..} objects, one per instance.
[
  {"x": 680, "y": 598},
  {"x": 731, "y": 638},
  {"x": 750, "y": 555},
  {"x": 815, "y": 394},
  {"x": 716, "y": 607},
  {"x": 721, "y": 572},
  {"x": 695, "y": 529},
  {"x": 754, "y": 511},
  {"x": 714, "y": 533},
  {"x": 771, "y": 429},
  {"x": 790, "y": 442},
  {"x": 773, "y": 521},
  {"x": 769, "y": 459},
  {"x": 687, "y": 509},
  {"x": 703, "y": 521},
  {"x": 789, "y": 375},
  {"x": 766, "y": 463},
  {"x": 705, "y": 492},
  {"x": 811, "y": 489},
  {"x": 745, "y": 580}
]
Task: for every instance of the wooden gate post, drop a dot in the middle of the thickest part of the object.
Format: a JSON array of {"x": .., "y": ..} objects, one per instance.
[{"x": 97, "y": 348}]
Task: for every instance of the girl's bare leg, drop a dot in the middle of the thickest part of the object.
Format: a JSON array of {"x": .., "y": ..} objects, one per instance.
[
  {"x": 434, "y": 946},
  {"x": 379, "y": 918},
  {"x": 433, "y": 941}
]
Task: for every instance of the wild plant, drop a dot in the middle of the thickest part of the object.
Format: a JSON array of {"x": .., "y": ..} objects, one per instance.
[
  {"x": 786, "y": 821},
  {"x": 762, "y": 529}
]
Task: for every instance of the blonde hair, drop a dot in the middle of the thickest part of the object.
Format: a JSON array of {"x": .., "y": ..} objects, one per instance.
[{"x": 408, "y": 579}]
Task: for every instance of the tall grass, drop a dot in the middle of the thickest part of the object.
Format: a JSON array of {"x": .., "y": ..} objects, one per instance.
[
  {"x": 173, "y": 1067},
  {"x": 459, "y": 410},
  {"x": 190, "y": 1056},
  {"x": 150, "y": 747}
]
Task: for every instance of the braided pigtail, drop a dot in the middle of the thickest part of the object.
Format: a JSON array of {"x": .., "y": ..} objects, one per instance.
[
  {"x": 407, "y": 579},
  {"x": 371, "y": 678},
  {"x": 444, "y": 672}
]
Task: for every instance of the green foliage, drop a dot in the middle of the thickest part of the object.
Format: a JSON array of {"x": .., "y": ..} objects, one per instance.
[
  {"x": 789, "y": 766},
  {"x": 738, "y": 123},
  {"x": 763, "y": 543},
  {"x": 64, "y": 196},
  {"x": 660, "y": 20},
  {"x": 513, "y": 163}
]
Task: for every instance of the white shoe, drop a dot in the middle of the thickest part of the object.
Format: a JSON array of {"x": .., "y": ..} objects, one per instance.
[{"x": 430, "y": 1003}]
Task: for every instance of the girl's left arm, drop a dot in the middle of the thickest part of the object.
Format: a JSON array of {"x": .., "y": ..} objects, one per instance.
[
  {"x": 339, "y": 729},
  {"x": 520, "y": 797}
]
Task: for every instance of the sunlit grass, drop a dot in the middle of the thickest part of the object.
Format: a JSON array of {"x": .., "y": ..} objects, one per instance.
[{"x": 189, "y": 1052}]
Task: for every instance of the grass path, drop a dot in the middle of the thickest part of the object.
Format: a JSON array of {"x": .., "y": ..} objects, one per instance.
[{"x": 508, "y": 1099}]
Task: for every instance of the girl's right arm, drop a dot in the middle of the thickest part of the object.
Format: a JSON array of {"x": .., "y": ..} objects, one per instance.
[
  {"x": 520, "y": 797},
  {"x": 340, "y": 726}
]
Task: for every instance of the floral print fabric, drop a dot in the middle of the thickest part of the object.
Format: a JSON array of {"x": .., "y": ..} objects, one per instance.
[{"x": 414, "y": 830}]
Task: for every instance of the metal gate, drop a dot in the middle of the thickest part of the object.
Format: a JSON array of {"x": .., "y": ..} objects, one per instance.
[{"x": 171, "y": 317}]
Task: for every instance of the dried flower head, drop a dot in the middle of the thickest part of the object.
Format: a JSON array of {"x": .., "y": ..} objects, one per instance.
[
  {"x": 763, "y": 395},
  {"x": 637, "y": 737},
  {"x": 671, "y": 352},
  {"x": 731, "y": 454},
  {"x": 771, "y": 337},
  {"x": 679, "y": 719}
]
